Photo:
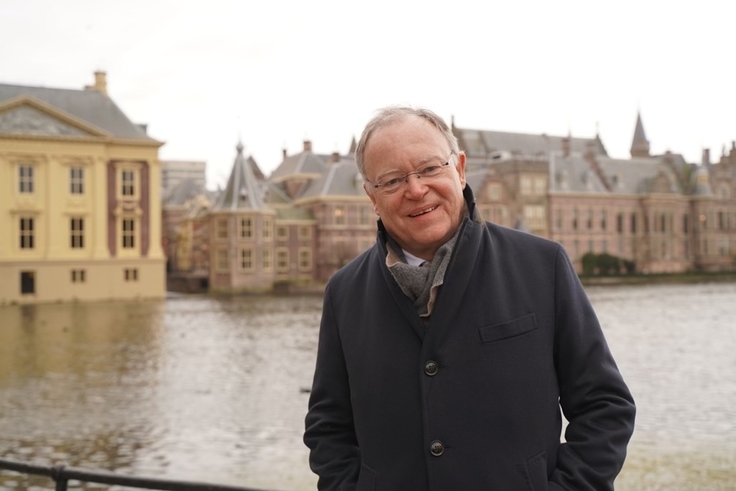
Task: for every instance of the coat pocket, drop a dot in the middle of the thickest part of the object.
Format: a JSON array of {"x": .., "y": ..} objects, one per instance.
[
  {"x": 508, "y": 329},
  {"x": 367, "y": 479},
  {"x": 536, "y": 472}
]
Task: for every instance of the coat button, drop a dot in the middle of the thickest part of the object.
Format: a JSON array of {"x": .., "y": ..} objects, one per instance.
[
  {"x": 436, "y": 448},
  {"x": 431, "y": 368}
]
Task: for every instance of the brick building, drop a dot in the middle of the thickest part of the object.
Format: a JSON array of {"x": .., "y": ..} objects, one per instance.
[{"x": 311, "y": 216}]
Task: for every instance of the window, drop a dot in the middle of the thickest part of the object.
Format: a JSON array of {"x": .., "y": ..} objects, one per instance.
[
  {"x": 340, "y": 215},
  {"x": 604, "y": 219},
  {"x": 282, "y": 232},
  {"x": 221, "y": 228},
  {"x": 76, "y": 226},
  {"x": 305, "y": 259},
  {"x": 590, "y": 219},
  {"x": 128, "y": 182},
  {"x": 305, "y": 233},
  {"x": 282, "y": 260},
  {"x": 267, "y": 228},
  {"x": 526, "y": 185},
  {"x": 494, "y": 192},
  {"x": 540, "y": 185},
  {"x": 76, "y": 180},
  {"x": 620, "y": 223},
  {"x": 365, "y": 215},
  {"x": 534, "y": 216},
  {"x": 131, "y": 274},
  {"x": 246, "y": 228},
  {"x": 558, "y": 220},
  {"x": 575, "y": 219},
  {"x": 246, "y": 259},
  {"x": 27, "y": 282},
  {"x": 633, "y": 223},
  {"x": 267, "y": 260},
  {"x": 128, "y": 233},
  {"x": 79, "y": 276},
  {"x": 25, "y": 178},
  {"x": 26, "y": 233}
]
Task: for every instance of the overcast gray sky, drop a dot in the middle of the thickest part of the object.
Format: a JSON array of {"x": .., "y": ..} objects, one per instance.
[{"x": 276, "y": 72}]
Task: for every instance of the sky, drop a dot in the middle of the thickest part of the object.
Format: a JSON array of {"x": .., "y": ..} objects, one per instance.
[{"x": 205, "y": 75}]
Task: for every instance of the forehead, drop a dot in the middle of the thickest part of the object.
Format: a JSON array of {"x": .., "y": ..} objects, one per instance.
[{"x": 408, "y": 140}]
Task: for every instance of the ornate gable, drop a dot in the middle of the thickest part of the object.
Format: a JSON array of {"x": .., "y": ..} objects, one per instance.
[{"x": 28, "y": 116}]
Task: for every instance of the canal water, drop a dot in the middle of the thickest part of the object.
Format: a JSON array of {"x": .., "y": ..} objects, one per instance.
[{"x": 213, "y": 389}]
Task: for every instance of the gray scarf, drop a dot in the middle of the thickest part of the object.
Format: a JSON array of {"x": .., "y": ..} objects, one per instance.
[{"x": 420, "y": 283}]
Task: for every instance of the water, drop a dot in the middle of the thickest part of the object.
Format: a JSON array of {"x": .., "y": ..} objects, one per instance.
[{"x": 212, "y": 389}]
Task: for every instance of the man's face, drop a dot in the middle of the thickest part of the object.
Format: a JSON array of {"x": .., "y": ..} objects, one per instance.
[{"x": 422, "y": 214}]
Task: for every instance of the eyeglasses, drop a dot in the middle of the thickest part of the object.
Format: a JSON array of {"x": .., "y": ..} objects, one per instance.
[{"x": 391, "y": 183}]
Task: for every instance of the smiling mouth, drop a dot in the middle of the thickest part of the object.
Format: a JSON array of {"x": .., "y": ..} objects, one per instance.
[{"x": 423, "y": 212}]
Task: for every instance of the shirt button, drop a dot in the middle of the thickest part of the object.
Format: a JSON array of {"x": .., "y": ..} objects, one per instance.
[
  {"x": 431, "y": 368},
  {"x": 436, "y": 448}
]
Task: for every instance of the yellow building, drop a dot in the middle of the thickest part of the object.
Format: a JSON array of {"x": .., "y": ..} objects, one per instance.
[{"x": 80, "y": 205}]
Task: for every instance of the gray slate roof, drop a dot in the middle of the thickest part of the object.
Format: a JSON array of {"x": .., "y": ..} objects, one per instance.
[
  {"x": 184, "y": 191},
  {"x": 634, "y": 176},
  {"x": 300, "y": 163},
  {"x": 340, "y": 179},
  {"x": 91, "y": 106},
  {"x": 481, "y": 143},
  {"x": 243, "y": 190}
]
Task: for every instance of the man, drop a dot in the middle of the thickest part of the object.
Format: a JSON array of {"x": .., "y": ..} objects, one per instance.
[{"x": 447, "y": 349}]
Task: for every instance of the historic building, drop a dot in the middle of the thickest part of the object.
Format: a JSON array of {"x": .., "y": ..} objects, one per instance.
[
  {"x": 80, "y": 203},
  {"x": 658, "y": 212},
  {"x": 290, "y": 231},
  {"x": 174, "y": 172},
  {"x": 653, "y": 213}
]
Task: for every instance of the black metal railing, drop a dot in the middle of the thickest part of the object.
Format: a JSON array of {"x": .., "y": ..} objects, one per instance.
[{"x": 62, "y": 474}]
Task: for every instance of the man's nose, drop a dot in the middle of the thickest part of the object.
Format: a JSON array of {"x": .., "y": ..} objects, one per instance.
[{"x": 415, "y": 185}]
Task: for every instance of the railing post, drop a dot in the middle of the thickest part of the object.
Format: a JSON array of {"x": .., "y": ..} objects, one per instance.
[{"x": 57, "y": 474}]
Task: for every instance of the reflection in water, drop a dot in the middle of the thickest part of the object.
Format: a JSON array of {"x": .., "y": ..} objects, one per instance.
[{"x": 209, "y": 389}]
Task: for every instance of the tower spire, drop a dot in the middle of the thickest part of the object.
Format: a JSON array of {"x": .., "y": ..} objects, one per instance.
[{"x": 640, "y": 144}]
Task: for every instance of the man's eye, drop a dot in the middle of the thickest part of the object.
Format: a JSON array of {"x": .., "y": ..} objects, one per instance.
[
  {"x": 431, "y": 169},
  {"x": 392, "y": 182}
]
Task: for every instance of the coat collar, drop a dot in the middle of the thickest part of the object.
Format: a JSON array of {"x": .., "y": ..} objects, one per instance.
[{"x": 456, "y": 279}]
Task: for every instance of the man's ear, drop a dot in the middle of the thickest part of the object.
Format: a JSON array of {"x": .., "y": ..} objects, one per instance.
[{"x": 461, "y": 168}]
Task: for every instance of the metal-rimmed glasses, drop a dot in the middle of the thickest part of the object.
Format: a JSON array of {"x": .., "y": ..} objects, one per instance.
[{"x": 394, "y": 181}]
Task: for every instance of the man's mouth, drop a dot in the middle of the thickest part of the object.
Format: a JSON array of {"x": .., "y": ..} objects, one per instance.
[{"x": 431, "y": 208}]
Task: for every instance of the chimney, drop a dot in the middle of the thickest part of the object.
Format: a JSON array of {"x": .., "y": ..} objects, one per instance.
[
  {"x": 590, "y": 151},
  {"x": 706, "y": 156},
  {"x": 283, "y": 154},
  {"x": 566, "y": 146},
  {"x": 100, "y": 83},
  {"x": 307, "y": 145}
]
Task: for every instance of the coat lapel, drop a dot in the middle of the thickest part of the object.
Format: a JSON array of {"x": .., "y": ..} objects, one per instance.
[{"x": 457, "y": 278}]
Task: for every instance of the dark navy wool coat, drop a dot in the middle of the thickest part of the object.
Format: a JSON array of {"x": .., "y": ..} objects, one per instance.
[{"x": 472, "y": 400}]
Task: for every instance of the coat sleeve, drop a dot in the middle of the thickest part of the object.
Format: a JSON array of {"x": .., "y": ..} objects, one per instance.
[
  {"x": 330, "y": 433},
  {"x": 594, "y": 398}
]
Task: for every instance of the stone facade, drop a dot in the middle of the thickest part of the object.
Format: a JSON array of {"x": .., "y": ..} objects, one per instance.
[
  {"x": 80, "y": 204},
  {"x": 311, "y": 216}
]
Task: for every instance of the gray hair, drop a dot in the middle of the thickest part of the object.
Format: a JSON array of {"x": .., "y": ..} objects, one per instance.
[{"x": 390, "y": 114}]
